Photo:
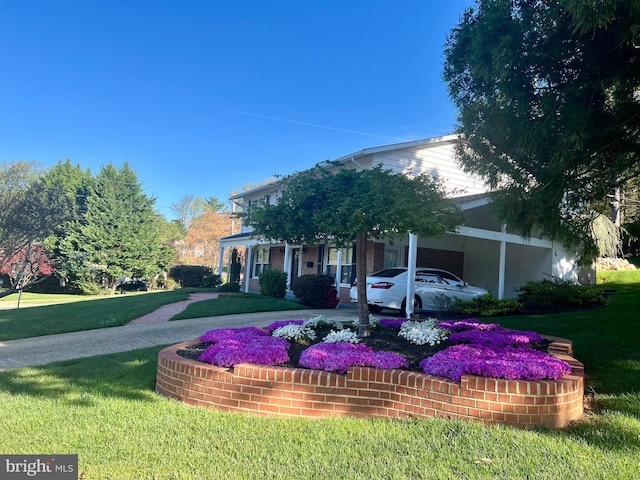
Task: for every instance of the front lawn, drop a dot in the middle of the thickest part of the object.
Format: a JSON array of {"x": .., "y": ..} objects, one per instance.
[
  {"x": 105, "y": 410},
  {"x": 85, "y": 313},
  {"x": 237, "y": 303},
  {"x": 88, "y": 313}
]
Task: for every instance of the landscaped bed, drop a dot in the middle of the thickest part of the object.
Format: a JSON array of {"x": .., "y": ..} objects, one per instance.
[{"x": 462, "y": 369}]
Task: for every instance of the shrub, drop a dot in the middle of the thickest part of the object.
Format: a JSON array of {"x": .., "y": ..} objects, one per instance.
[
  {"x": 316, "y": 291},
  {"x": 553, "y": 295},
  {"x": 235, "y": 267},
  {"x": 229, "y": 287},
  {"x": 170, "y": 284},
  {"x": 196, "y": 276},
  {"x": 487, "y": 306},
  {"x": 50, "y": 284},
  {"x": 273, "y": 283}
]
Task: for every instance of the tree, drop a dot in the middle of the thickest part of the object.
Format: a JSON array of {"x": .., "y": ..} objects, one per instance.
[
  {"x": 28, "y": 267},
  {"x": 116, "y": 233},
  {"x": 32, "y": 206},
  {"x": 215, "y": 205},
  {"x": 201, "y": 246},
  {"x": 15, "y": 180},
  {"x": 548, "y": 95},
  {"x": 347, "y": 206},
  {"x": 188, "y": 208}
]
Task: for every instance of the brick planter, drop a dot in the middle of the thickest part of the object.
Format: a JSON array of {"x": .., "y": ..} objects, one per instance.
[{"x": 370, "y": 392}]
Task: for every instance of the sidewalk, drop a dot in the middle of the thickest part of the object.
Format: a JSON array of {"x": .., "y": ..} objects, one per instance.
[{"x": 67, "y": 346}]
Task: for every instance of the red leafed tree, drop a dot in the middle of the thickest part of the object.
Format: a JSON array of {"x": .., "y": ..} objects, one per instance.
[
  {"x": 28, "y": 265},
  {"x": 201, "y": 245}
]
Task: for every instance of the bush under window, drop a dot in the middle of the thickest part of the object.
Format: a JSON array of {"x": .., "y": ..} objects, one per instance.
[
  {"x": 316, "y": 291},
  {"x": 273, "y": 283}
]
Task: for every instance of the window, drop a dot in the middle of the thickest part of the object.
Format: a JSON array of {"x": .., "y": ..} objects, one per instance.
[
  {"x": 451, "y": 279},
  {"x": 261, "y": 260},
  {"x": 348, "y": 265},
  {"x": 391, "y": 257},
  {"x": 427, "y": 277}
]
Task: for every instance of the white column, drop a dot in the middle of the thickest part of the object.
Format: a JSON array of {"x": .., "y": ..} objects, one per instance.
[
  {"x": 247, "y": 274},
  {"x": 502, "y": 265},
  {"x": 411, "y": 272},
  {"x": 221, "y": 263},
  {"x": 339, "y": 274},
  {"x": 287, "y": 264}
]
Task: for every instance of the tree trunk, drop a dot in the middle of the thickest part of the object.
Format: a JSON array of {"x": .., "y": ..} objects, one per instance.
[{"x": 364, "y": 329}]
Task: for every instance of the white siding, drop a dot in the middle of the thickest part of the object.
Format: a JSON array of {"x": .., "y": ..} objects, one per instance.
[{"x": 437, "y": 160}]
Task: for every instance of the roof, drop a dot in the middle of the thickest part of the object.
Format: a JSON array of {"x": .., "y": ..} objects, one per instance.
[
  {"x": 397, "y": 146},
  {"x": 237, "y": 236}
]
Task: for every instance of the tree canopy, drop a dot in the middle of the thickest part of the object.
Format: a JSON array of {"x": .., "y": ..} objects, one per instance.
[
  {"x": 548, "y": 95},
  {"x": 114, "y": 230},
  {"x": 343, "y": 206},
  {"x": 30, "y": 210}
]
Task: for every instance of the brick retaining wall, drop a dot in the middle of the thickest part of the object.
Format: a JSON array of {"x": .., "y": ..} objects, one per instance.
[{"x": 370, "y": 392}]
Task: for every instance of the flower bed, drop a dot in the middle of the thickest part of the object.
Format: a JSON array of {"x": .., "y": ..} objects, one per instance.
[{"x": 369, "y": 383}]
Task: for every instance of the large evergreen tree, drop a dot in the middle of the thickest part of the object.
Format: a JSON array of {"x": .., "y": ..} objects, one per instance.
[
  {"x": 115, "y": 233},
  {"x": 346, "y": 206},
  {"x": 548, "y": 94}
]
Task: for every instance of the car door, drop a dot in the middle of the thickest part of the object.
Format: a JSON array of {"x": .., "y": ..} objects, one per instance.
[
  {"x": 428, "y": 288},
  {"x": 456, "y": 287}
]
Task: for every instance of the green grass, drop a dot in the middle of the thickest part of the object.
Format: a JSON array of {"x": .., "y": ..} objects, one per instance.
[
  {"x": 29, "y": 299},
  {"x": 237, "y": 303},
  {"x": 83, "y": 314},
  {"x": 88, "y": 313},
  {"x": 104, "y": 409}
]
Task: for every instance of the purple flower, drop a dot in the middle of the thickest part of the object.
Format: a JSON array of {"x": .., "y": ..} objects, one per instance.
[
  {"x": 281, "y": 323},
  {"x": 392, "y": 322},
  {"x": 497, "y": 338},
  {"x": 508, "y": 362},
  {"x": 468, "y": 324},
  {"x": 262, "y": 350},
  {"x": 224, "y": 333},
  {"x": 339, "y": 356}
]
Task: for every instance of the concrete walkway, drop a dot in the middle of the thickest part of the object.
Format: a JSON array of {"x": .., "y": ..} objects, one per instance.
[
  {"x": 166, "y": 312},
  {"x": 154, "y": 330}
]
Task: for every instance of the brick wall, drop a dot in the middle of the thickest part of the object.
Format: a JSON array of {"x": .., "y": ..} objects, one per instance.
[{"x": 370, "y": 392}]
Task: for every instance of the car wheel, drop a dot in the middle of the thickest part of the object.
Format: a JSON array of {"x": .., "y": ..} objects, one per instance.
[
  {"x": 417, "y": 304},
  {"x": 374, "y": 308}
]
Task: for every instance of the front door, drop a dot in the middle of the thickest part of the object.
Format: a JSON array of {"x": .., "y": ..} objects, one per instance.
[{"x": 295, "y": 264}]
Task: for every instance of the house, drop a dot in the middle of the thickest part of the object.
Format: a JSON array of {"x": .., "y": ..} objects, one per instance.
[{"x": 482, "y": 251}]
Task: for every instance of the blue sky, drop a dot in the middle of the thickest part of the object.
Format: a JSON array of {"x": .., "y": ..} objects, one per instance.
[{"x": 204, "y": 97}]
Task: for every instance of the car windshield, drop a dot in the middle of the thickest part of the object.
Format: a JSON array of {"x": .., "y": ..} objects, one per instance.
[{"x": 389, "y": 272}]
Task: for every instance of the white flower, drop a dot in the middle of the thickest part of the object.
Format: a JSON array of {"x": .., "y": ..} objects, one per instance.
[
  {"x": 318, "y": 320},
  {"x": 294, "y": 333},
  {"x": 422, "y": 333},
  {"x": 341, "y": 336},
  {"x": 373, "y": 322}
]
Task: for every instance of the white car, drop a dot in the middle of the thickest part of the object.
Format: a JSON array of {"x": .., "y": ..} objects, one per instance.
[{"x": 435, "y": 289}]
